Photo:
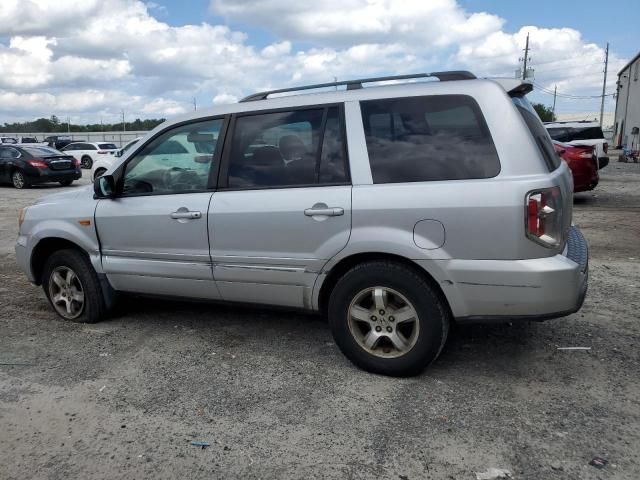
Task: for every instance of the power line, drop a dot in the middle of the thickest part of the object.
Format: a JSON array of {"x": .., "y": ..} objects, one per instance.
[{"x": 569, "y": 95}]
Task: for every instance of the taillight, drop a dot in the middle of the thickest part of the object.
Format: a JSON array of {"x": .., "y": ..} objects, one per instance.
[
  {"x": 76, "y": 162},
  {"x": 37, "y": 163},
  {"x": 605, "y": 147},
  {"x": 544, "y": 216}
]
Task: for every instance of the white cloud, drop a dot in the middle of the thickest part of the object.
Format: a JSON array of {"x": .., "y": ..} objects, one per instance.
[{"x": 116, "y": 55}]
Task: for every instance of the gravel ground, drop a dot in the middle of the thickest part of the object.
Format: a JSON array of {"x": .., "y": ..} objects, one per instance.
[{"x": 275, "y": 398}]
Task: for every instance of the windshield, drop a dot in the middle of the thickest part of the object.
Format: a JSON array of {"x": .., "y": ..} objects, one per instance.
[
  {"x": 538, "y": 131},
  {"x": 130, "y": 144}
]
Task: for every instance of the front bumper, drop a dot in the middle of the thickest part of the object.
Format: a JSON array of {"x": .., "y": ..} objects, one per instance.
[
  {"x": 506, "y": 290},
  {"x": 22, "y": 258}
]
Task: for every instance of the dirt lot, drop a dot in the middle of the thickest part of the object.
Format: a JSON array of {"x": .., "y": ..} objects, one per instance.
[{"x": 275, "y": 398}]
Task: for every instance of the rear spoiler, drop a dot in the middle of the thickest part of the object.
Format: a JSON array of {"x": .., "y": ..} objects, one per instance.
[{"x": 514, "y": 86}]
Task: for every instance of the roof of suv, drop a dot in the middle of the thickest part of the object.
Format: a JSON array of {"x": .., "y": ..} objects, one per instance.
[
  {"x": 304, "y": 96},
  {"x": 573, "y": 124}
]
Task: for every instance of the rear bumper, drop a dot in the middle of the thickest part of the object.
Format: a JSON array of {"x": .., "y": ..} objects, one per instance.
[
  {"x": 507, "y": 290},
  {"x": 47, "y": 175}
]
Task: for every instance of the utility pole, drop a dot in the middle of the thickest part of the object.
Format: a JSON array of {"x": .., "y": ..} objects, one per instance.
[
  {"x": 195, "y": 105},
  {"x": 553, "y": 110},
  {"x": 68, "y": 124},
  {"x": 124, "y": 125},
  {"x": 526, "y": 58},
  {"x": 604, "y": 82}
]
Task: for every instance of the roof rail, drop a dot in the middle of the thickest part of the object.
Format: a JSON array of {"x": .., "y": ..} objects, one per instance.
[{"x": 356, "y": 84}]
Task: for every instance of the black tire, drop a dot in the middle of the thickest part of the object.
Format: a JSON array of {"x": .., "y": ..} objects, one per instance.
[
  {"x": 86, "y": 162},
  {"x": 99, "y": 172},
  {"x": 93, "y": 309},
  {"x": 18, "y": 180},
  {"x": 432, "y": 317},
  {"x": 66, "y": 183}
]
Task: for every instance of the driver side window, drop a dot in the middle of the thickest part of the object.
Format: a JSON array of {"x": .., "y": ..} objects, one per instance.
[{"x": 177, "y": 161}]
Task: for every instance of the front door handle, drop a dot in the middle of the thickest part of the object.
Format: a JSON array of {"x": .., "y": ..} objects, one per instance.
[
  {"x": 322, "y": 209},
  {"x": 185, "y": 214}
]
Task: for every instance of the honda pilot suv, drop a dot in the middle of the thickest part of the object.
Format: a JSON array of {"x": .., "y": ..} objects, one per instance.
[{"x": 395, "y": 210}]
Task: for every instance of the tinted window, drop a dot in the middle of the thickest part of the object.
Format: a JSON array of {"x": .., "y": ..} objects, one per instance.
[
  {"x": 416, "y": 139},
  {"x": 9, "y": 153},
  {"x": 107, "y": 146},
  {"x": 284, "y": 149},
  {"x": 332, "y": 160},
  {"x": 171, "y": 162},
  {"x": 586, "y": 133},
  {"x": 559, "y": 134},
  {"x": 29, "y": 140},
  {"x": 538, "y": 131},
  {"x": 41, "y": 151}
]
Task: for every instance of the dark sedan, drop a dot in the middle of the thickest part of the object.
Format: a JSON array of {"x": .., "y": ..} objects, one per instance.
[{"x": 27, "y": 165}]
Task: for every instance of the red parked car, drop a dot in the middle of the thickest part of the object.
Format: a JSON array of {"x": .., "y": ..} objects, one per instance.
[{"x": 583, "y": 164}]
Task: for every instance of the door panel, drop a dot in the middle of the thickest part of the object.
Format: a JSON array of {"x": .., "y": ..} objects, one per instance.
[
  {"x": 140, "y": 239},
  {"x": 266, "y": 250}
]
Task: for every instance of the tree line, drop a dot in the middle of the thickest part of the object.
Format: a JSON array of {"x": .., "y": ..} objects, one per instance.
[{"x": 54, "y": 125}]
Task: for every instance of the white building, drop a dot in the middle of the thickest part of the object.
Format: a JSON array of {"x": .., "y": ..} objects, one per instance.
[{"x": 627, "y": 119}]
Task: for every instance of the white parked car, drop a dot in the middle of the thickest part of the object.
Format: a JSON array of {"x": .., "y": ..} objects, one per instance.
[
  {"x": 89, "y": 153},
  {"x": 581, "y": 133},
  {"x": 10, "y": 140},
  {"x": 104, "y": 163}
]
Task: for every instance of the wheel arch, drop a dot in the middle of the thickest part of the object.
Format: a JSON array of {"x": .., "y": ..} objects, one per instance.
[
  {"x": 346, "y": 263},
  {"x": 43, "y": 250}
]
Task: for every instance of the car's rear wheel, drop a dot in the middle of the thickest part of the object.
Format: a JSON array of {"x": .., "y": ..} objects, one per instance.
[
  {"x": 86, "y": 161},
  {"x": 99, "y": 172},
  {"x": 387, "y": 319},
  {"x": 72, "y": 287},
  {"x": 18, "y": 179},
  {"x": 66, "y": 183}
]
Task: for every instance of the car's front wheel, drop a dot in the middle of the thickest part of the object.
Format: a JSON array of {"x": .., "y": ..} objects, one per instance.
[
  {"x": 86, "y": 161},
  {"x": 387, "y": 319},
  {"x": 18, "y": 179},
  {"x": 72, "y": 287}
]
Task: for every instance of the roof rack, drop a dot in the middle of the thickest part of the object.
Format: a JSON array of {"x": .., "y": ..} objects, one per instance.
[{"x": 356, "y": 84}]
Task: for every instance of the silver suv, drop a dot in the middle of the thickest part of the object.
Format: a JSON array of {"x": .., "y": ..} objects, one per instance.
[{"x": 394, "y": 209}]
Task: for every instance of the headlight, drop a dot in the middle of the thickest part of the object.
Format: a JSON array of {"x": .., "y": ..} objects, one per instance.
[{"x": 23, "y": 212}]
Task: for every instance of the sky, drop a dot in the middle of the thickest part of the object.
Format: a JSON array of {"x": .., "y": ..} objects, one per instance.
[{"x": 89, "y": 60}]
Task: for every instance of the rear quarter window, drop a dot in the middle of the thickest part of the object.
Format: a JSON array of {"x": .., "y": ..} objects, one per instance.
[
  {"x": 539, "y": 132},
  {"x": 417, "y": 139}
]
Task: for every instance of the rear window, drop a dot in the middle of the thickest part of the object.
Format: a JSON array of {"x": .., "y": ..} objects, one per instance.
[
  {"x": 538, "y": 131},
  {"x": 41, "y": 151},
  {"x": 586, "y": 133},
  {"x": 107, "y": 146},
  {"x": 438, "y": 137}
]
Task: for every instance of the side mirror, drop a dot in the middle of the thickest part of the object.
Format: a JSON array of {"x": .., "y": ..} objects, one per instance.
[{"x": 104, "y": 187}]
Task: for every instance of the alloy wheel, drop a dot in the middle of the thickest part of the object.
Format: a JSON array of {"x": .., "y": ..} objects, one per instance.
[
  {"x": 18, "y": 179},
  {"x": 66, "y": 292},
  {"x": 383, "y": 322}
]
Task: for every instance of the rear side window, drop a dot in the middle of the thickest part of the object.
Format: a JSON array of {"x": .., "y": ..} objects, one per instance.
[
  {"x": 538, "y": 131},
  {"x": 417, "y": 139},
  {"x": 107, "y": 146},
  {"x": 287, "y": 148}
]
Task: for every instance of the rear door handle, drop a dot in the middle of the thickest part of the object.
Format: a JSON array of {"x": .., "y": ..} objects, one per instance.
[
  {"x": 324, "y": 210},
  {"x": 188, "y": 214}
]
